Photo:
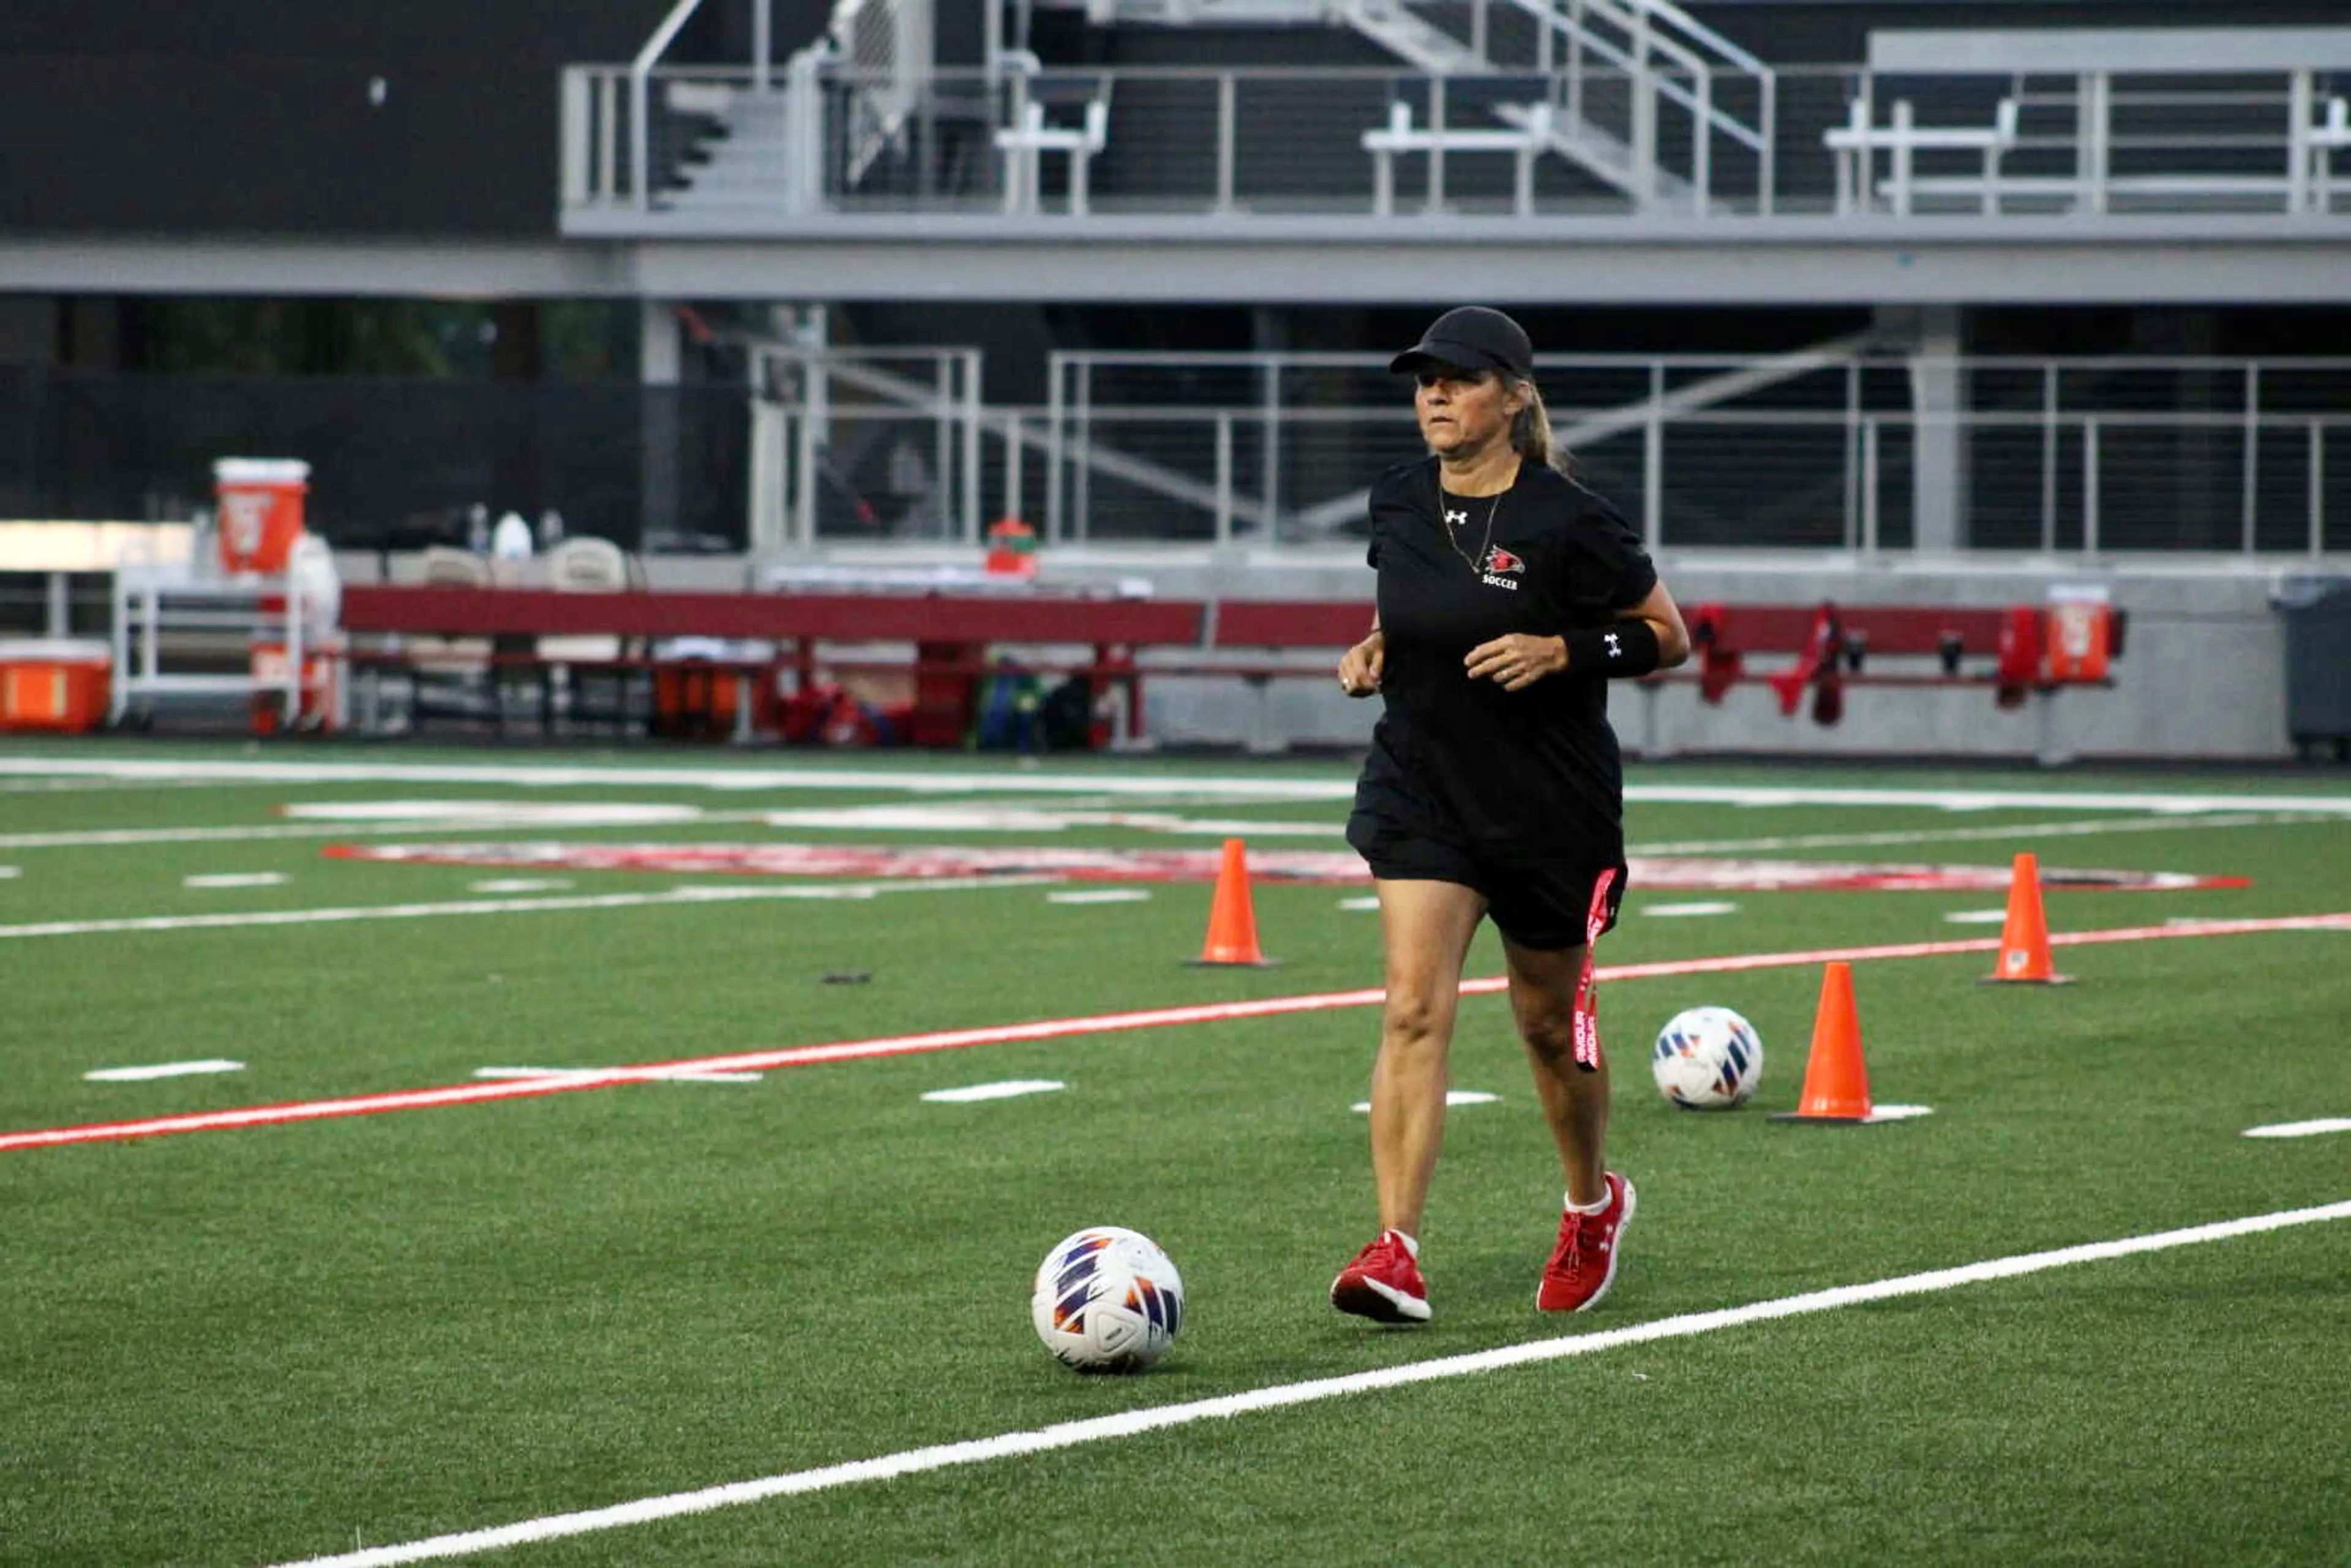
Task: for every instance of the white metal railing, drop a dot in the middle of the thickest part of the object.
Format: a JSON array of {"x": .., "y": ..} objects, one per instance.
[
  {"x": 824, "y": 419},
  {"x": 2084, "y": 486},
  {"x": 1847, "y": 452},
  {"x": 1664, "y": 53},
  {"x": 641, "y": 97},
  {"x": 1242, "y": 141},
  {"x": 1667, "y": 58}
]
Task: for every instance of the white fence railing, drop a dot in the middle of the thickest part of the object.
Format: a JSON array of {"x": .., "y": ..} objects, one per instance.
[
  {"x": 1865, "y": 145},
  {"x": 1859, "y": 453}
]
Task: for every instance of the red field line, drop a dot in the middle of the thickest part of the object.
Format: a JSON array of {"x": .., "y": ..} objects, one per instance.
[{"x": 1055, "y": 1029}]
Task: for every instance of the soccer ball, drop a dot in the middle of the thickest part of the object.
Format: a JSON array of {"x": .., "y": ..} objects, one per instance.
[
  {"x": 1708, "y": 1058},
  {"x": 1107, "y": 1299}
]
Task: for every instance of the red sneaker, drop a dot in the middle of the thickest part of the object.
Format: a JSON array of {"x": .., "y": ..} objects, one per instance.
[
  {"x": 1383, "y": 1283},
  {"x": 1583, "y": 1265}
]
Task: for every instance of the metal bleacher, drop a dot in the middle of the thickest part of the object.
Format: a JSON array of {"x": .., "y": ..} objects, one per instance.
[
  {"x": 2093, "y": 121},
  {"x": 1637, "y": 108},
  {"x": 1616, "y": 147}
]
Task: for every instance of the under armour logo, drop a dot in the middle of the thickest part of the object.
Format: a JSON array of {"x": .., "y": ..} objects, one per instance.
[
  {"x": 1454, "y": 519},
  {"x": 1615, "y": 651}
]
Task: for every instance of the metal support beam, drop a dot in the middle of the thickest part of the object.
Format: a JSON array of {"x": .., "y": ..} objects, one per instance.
[
  {"x": 2218, "y": 259},
  {"x": 1939, "y": 457},
  {"x": 659, "y": 360}
]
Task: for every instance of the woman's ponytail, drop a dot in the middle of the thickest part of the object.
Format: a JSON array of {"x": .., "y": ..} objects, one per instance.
[{"x": 1531, "y": 432}]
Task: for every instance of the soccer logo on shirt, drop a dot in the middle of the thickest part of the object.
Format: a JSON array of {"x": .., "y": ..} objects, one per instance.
[{"x": 1500, "y": 561}]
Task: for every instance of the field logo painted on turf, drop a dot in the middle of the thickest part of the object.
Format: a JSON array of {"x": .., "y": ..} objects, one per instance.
[{"x": 1091, "y": 864}]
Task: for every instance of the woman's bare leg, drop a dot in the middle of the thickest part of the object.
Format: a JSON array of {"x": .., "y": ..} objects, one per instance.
[
  {"x": 1427, "y": 927},
  {"x": 1574, "y": 1101}
]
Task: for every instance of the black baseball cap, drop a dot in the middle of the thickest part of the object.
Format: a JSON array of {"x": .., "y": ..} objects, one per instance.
[{"x": 1472, "y": 337}]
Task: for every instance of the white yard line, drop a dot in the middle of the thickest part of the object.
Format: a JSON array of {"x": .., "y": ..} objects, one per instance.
[
  {"x": 96, "y": 838},
  {"x": 101, "y": 838},
  {"x": 1100, "y": 782},
  {"x": 1452, "y": 1097},
  {"x": 235, "y": 879},
  {"x": 494, "y": 1073},
  {"x": 1132, "y": 1423},
  {"x": 162, "y": 1069},
  {"x": 1129, "y": 802},
  {"x": 2161, "y": 824},
  {"x": 1009, "y": 1089},
  {"x": 52, "y": 785},
  {"x": 2301, "y": 1129},
  {"x": 1054, "y": 817},
  {"x": 1110, "y": 785},
  {"x": 506, "y": 813},
  {"x": 749, "y": 893}
]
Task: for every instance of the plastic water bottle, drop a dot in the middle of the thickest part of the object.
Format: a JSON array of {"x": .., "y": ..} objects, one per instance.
[{"x": 510, "y": 541}]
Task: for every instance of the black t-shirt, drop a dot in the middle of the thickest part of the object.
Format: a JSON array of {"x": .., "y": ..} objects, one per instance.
[{"x": 1536, "y": 769}]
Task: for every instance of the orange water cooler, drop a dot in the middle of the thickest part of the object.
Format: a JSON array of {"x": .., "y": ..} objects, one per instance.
[
  {"x": 2079, "y": 640},
  {"x": 260, "y": 501},
  {"x": 54, "y": 683}
]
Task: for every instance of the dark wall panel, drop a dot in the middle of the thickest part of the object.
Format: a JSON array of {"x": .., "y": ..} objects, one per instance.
[{"x": 243, "y": 116}]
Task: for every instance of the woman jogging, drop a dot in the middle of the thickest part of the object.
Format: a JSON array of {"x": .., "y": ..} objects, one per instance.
[{"x": 1508, "y": 597}]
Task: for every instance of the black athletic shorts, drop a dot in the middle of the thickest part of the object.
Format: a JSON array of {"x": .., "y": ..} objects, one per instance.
[{"x": 1538, "y": 901}]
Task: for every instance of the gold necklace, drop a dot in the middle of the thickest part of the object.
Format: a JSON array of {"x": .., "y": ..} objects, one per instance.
[{"x": 1474, "y": 563}]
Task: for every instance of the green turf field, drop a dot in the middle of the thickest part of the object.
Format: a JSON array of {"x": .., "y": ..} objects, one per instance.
[{"x": 269, "y": 1344}]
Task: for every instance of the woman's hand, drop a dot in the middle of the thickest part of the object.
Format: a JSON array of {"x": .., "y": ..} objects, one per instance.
[
  {"x": 1360, "y": 666},
  {"x": 1516, "y": 661}
]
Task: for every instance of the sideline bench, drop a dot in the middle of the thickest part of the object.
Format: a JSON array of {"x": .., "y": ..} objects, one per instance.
[
  {"x": 2033, "y": 651},
  {"x": 951, "y": 637},
  {"x": 2015, "y": 653}
]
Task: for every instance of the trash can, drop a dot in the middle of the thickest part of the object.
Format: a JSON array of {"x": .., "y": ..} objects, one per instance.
[{"x": 2317, "y": 611}]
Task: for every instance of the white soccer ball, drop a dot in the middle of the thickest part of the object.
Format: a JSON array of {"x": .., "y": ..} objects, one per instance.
[
  {"x": 1107, "y": 1299},
  {"x": 1708, "y": 1058}
]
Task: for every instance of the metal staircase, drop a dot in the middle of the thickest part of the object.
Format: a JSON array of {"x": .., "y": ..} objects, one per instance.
[
  {"x": 769, "y": 149},
  {"x": 1412, "y": 38},
  {"x": 1666, "y": 58},
  {"x": 1637, "y": 94},
  {"x": 752, "y": 164}
]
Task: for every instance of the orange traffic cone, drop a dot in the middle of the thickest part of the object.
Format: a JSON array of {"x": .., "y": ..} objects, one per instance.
[
  {"x": 1232, "y": 922},
  {"x": 1837, "y": 1084},
  {"x": 2024, "y": 937}
]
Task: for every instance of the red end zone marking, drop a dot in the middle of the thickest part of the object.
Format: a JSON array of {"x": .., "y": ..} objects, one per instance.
[{"x": 1054, "y": 1028}]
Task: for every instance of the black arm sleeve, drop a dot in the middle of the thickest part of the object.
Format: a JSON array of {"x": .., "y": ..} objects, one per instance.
[{"x": 1621, "y": 651}]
